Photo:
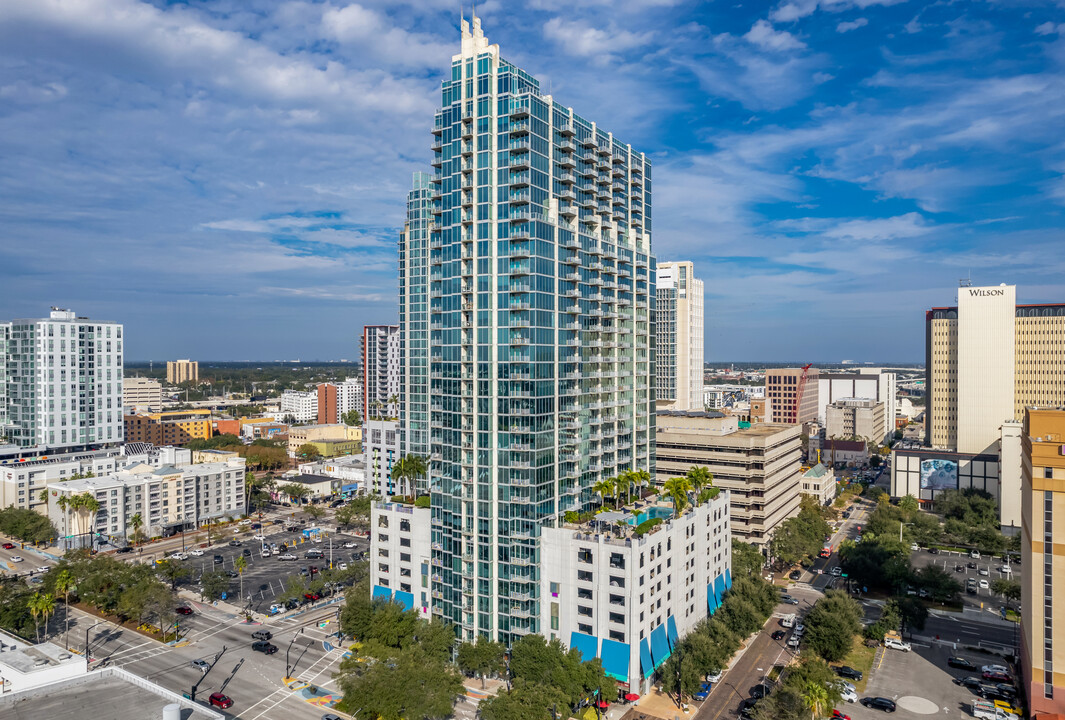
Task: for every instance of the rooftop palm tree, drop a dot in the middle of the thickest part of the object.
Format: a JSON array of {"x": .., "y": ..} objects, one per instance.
[
  {"x": 604, "y": 488},
  {"x": 678, "y": 488},
  {"x": 699, "y": 477},
  {"x": 406, "y": 471}
]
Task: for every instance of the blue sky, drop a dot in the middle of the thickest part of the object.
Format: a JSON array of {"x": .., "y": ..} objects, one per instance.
[{"x": 228, "y": 178}]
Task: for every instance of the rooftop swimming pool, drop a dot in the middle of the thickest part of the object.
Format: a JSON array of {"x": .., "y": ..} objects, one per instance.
[{"x": 651, "y": 514}]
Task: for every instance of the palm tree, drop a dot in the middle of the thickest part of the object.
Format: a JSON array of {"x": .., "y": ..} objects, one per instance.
[
  {"x": 642, "y": 478},
  {"x": 678, "y": 488},
  {"x": 604, "y": 488},
  {"x": 136, "y": 522},
  {"x": 40, "y": 605},
  {"x": 85, "y": 507},
  {"x": 815, "y": 697},
  {"x": 699, "y": 477},
  {"x": 408, "y": 468},
  {"x": 393, "y": 405},
  {"x": 64, "y": 583},
  {"x": 241, "y": 564},
  {"x": 628, "y": 478}
]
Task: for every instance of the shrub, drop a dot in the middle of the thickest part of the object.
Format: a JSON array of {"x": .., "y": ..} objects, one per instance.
[
  {"x": 647, "y": 526},
  {"x": 422, "y": 502}
]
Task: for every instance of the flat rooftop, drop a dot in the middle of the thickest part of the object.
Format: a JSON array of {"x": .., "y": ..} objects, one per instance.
[{"x": 108, "y": 694}]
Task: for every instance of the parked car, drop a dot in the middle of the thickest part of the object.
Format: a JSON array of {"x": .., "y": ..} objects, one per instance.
[
  {"x": 277, "y": 608},
  {"x": 960, "y": 663},
  {"x": 879, "y": 703},
  {"x": 759, "y": 691},
  {"x": 287, "y": 556},
  {"x": 984, "y": 571},
  {"x": 778, "y": 634},
  {"x": 795, "y": 574},
  {"x": 264, "y": 647},
  {"x": 196, "y": 552},
  {"x": 342, "y": 565},
  {"x": 848, "y": 695},
  {"x": 349, "y": 544},
  {"x": 793, "y": 641},
  {"x": 997, "y": 677},
  {"x": 312, "y": 596},
  {"x": 788, "y": 599},
  {"x": 837, "y": 715},
  {"x": 849, "y": 672},
  {"x": 220, "y": 701},
  {"x": 974, "y": 554},
  {"x": 716, "y": 677},
  {"x": 704, "y": 691},
  {"x": 971, "y": 682},
  {"x": 232, "y": 573},
  {"x": 1006, "y": 569},
  {"x": 218, "y": 559},
  {"x": 897, "y": 644},
  {"x": 994, "y": 667},
  {"x": 933, "y": 551},
  {"x": 971, "y": 565},
  {"x": 992, "y": 692},
  {"x": 183, "y": 610}
]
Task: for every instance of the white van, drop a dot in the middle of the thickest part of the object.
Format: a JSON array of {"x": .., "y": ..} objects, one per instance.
[{"x": 788, "y": 621}]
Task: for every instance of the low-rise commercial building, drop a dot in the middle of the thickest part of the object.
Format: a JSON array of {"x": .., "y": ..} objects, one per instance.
[
  {"x": 819, "y": 482},
  {"x": 267, "y": 429},
  {"x": 350, "y": 470},
  {"x": 167, "y": 499},
  {"x": 855, "y": 418},
  {"x": 23, "y": 480},
  {"x": 319, "y": 487},
  {"x": 1042, "y": 651},
  {"x": 142, "y": 395},
  {"x": 335, "y": 439},
  {"x": 208, "y": 456},
  {"x": 622, "y": 596},
  {"x": 175, "y": 427},
  {"x": 838, "y": 453},
  {"x": 24, "y": 666},
  {"x": 759, "y": 465}
]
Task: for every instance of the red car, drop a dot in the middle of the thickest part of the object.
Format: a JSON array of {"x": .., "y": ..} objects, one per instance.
[
  {"x": 8, "y": 546},
  {"x": 997, "y": 677},
  {"x": 220, "y": 700},
  {"x": 312, "y": 596},
  {"x": 837, "y": 715},
  {"x": 183, "y": 610}
]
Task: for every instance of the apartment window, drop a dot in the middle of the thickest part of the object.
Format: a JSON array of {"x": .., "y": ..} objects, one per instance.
[
  {"x": 584, "y": 556},
  {"x": 617, "y": 618},
  {"x": 617, "y": 561},
  {"x": 586, "y": 629},
  {"x": 584, "y": 593},
  {"x": 382, "y": 567},
  {"x": 617, "y": 600},
  {"x": 382, "y": 521},
  {"x": 1048, "y": 473},
  {"x": 404, "y": 542},
  {"x": 617, "y": 635},
  {"x": 584, "y": 611},
  {"x": 404, "y": 557},
  {"x": 584, "y": 576},
  {"x": 616, "y": 581}
]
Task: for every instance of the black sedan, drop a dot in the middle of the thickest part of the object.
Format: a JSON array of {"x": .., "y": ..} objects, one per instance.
[
  {"x": 779, "y": 634},
  {"x": 759, "y": 691},
  {"x": 960, "y": 663},
  {"x": 849, "y": 672},
  {"x": 879, "y": 703},
  {"x": 973, "y": 683}
]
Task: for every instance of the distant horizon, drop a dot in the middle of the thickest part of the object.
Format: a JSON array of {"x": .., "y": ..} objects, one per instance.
[{"x": 773, "y": 363}]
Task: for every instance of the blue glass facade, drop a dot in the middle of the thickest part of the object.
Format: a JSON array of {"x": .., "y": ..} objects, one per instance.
[{"x": 414, "y": 319}]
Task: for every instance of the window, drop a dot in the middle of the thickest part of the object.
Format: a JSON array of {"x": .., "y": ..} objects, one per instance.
[
  {"x": 382, "y": 567},
  {"x": 1048, "y": 473},
  {"x": 584, "y": 576},
  {"x": 584, "y": 556},
  {"x": 584, "y": 611},
  {"x": 584, "y": 593},
  {"x": 586, "y": 629},
  {"x": 617, "y": 561},
  {"x": 617, "y": 635},
  {"x": 617, "y": 618},
  {"x": 616, "y": 581}
]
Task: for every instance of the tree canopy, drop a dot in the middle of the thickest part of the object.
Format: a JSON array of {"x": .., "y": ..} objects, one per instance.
[{"x": 831, "y": 625}]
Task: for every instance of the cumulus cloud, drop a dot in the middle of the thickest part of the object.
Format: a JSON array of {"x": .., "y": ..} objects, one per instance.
[
  {"x": 849, "y": 25},
  {"x": 796, "y": 9},
  {"x": 579, "y": 38},
  {"x": 1049, "y": 28},
  {"x": 764, "y": 36}
]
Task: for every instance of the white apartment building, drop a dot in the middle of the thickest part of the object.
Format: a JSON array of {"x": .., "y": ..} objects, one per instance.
[
  {"x": 21, "y": 482},
  {"x": 142, "y": 395},
  {"x": 679, "y": 337},
  {"x": 612, "y": 594},
  {"x": 168, "y": 499},
  {"x": 301, "y": 405},
  {"x": 63, "y": 382},
  {"x": 380, "y": 442},
  {"x": 381, "y": 371},
  {"x": 855, "y": 417},
  {"x": 871, "y": 383}
]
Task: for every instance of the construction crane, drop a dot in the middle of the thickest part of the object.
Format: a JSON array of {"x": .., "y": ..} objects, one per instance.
[{"x": 802, "y": 389}]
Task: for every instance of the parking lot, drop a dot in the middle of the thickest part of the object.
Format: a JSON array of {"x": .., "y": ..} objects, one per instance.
[
  {"x": 962, "y": 567},
  {"x": 266, "y": 578},
  {"x": 920, "y": 682}
]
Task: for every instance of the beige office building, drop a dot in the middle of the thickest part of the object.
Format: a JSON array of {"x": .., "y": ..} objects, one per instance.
[
  {"x": 679, "y": 337},
  {"x": 1042, "y": 650},
  {"x": 791, "y": 395},
  {"x": 142, "y": 395},
  {"x": 855, "y": 418},
  {"x": 760, "y": 465},
  {"x": 179, "y": 371}
]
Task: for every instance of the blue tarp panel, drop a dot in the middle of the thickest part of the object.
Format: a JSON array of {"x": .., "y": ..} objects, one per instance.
[
  {"x": 719, "y": 587},
  {"x": 646, "y": 664},
  {"x": 405, "y": 599},
  {"x": 380, "y": 591},
  {"x": 616, "y": 659},
  {"x": 728, "y": 578},
  {"x": 660, "y": 645},
  {"x": 671, "y": 631},
  {"x": 711, "y": 601},
  {"x": 587, "y": 644}
]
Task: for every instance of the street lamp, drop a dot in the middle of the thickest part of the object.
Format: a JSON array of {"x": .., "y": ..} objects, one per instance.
[
  {"x": 87, "y": 658},
  {"x": 287, "y": 671}
]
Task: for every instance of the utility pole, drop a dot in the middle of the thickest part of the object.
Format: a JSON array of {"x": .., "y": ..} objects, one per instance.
[{"x": 287, "y": 670}]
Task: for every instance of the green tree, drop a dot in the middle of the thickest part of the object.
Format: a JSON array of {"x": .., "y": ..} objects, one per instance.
[
  {"x": 677, "y": 488},
  {"x": 604, "y": 488},
  {"x": 214, "y": 584},
  {"x": 815, "y": 697},
  {"x": 699, "y": 478},
  {"x": 136, "y": 523},
  {"x": 938, "y": 582},
  {"x": 680, "y": 676},
  {"x": 64, "y": 585},
  {"x": 407, "y": 470},
  {"x": 831, "y": 625},
  {"x": 173, "y": 571},
  {"x": 295, "y": 492},
  {"x": 909, "y": 506},
  {"x": 913, "y": 614},
  {"x": 351, "y": 418},
  {"x": 308, "y": 451},
  {"x": 525, "y": 701},
  {"x": 481, "y": 659},
  {"x": 314, "y": 512},
  {"x": 747, "y": 560},
  {"x": 40, "y": 605},
  {"x": 429, "y": 687}
]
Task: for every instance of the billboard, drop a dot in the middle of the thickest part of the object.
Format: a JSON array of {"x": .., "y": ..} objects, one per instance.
[{"x": 939, "y": 475}]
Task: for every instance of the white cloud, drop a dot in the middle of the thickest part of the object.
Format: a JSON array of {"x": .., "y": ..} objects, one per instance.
[
  {"x": 764, "y": 36},
  {"x": 847, "y": 26},
  {"x": 579, "y": 38},
  {"x": 1049, "y": 28},
  {"x": 365, "y": 28},
  {"x": 796, "y": 9}
]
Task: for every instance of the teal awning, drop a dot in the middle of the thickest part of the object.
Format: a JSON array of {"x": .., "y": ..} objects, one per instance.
[
  {"x": 646, "y": 664},
  {"x": 660, "y": 645},
  {"x": 728, "y": 578},
  {"x": 711, "y": 601},
  {"x": 379, "y": 591},
  {"x": 587, "y": 644},
  {"x": 616, "y": 659},
  {"x": 719, "y": 587},
  {"x": 405, "y": 599},
  {"x": 671, "y": 632}
]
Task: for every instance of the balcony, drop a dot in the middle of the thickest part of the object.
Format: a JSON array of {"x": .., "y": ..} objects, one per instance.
[
  {"x": 566, "y": 130},
  {"x": 519, "y": 128},
  {"x": 520, "y": 198}
]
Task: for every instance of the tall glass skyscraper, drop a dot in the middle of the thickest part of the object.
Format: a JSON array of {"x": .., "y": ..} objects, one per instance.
[
  {"x": 540, "y": 355},
  {"x": 414, "y": 319}
]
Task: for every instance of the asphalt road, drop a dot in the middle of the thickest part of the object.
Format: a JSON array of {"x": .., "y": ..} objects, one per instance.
[{"x": 949, "y": 562}]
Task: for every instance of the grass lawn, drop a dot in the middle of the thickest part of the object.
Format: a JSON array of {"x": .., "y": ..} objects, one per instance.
[{"x": 860, "y": 658}]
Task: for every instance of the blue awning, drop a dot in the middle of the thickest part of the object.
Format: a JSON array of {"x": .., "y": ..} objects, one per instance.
[
  {"x": 646, "y": 665},
  {"x": 728, "y": 578},
  {"x": 671, "y": 631},
  {"x": 379, "y": 591},
  {"x": 405, "y": 599},
  {"x": 719, "y": 587},
  {"x": 616, "y": 659},
  {"x": 660, "y": 645},
  {"x": 587, "y": 644},
  {"x": 711, "y": 601}
]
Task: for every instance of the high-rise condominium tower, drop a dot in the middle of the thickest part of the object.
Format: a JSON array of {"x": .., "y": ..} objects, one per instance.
[
  {"x": 63, "y": 382},
  {"x": 414, "y": 318},
  {"x": 380, "y": 371},
  {"x": 541, "y": 360},
  {"x": 679, "y": 347}
]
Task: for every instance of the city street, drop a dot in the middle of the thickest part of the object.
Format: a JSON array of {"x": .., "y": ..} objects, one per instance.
[{"x": 949, "y": 561}]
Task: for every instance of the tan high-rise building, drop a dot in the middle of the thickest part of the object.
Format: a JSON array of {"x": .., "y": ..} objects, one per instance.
[
  {"x": 1042, "y": 650},
  {"x": 678, "y": 337},
  {"x": 179, "y": 371},
  {"x": 761, "y": 466},
  {"x": 792, "y": 395},
  {"x": 142, "y": 394}
]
